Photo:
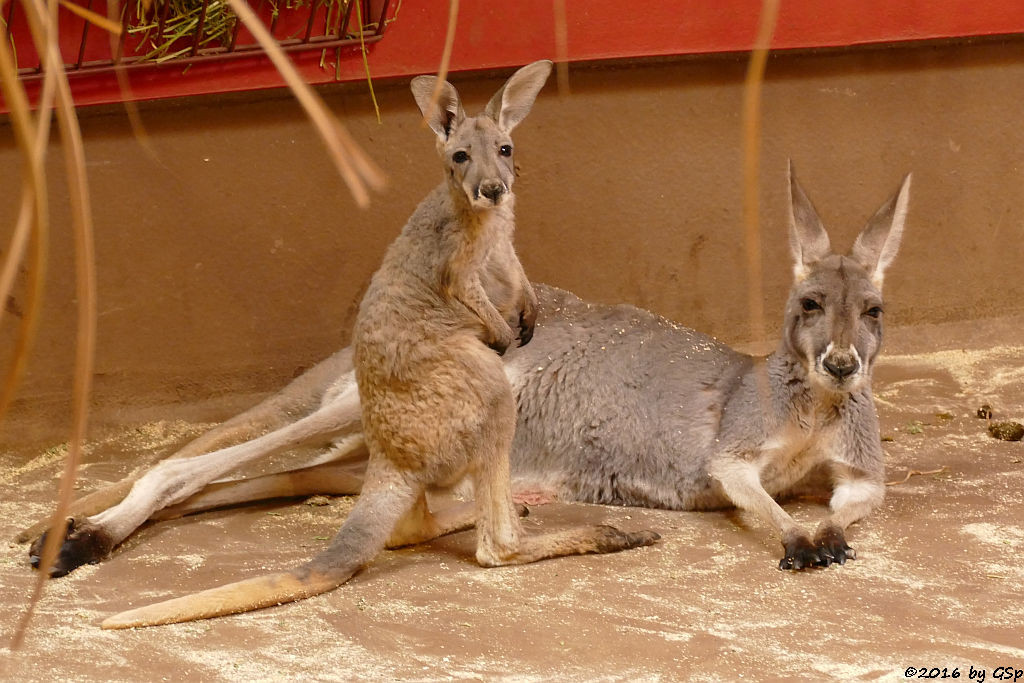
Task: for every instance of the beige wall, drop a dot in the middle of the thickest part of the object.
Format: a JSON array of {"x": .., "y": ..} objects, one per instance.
[{"x": 236, "y": 257}]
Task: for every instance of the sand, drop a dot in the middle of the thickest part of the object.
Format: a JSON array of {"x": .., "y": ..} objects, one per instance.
[{"x": 938, "y": 582}]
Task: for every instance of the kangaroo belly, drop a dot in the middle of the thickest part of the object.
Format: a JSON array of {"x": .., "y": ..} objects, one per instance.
[
  {"x": 616, "y": 406},
  {"x": 432, "y": 409}
]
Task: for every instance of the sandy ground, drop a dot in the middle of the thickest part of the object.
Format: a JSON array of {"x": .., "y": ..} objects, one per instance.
[{"x": 938, "y": 584}]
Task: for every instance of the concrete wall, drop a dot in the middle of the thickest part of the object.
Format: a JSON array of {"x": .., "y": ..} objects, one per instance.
[{"x": 236, "y": 257}]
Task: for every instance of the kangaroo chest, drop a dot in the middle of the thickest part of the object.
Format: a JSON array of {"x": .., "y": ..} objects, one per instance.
[{"x": 791, "y": 452}]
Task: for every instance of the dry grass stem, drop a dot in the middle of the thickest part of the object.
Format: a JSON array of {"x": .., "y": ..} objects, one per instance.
[
  {"x": 912, "y": 473},
  {"x": 561, "y": 48},
  {"x": 446, "y": 55},
  {"x": 109, "y": 25},
  {"x": 366, "y": 63},
  {"x": 26, "y": 210},
  {"x": 34, "y": 194},
  {"x": 131, "y": 110},
  {"x": 44, "y": 32},
  {"x": 752, "y": 164}
]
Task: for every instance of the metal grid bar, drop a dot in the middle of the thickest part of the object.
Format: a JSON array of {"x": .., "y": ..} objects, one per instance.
[
  {"x": 336, "y": 34},
  {"x": 85, "y": 36}
]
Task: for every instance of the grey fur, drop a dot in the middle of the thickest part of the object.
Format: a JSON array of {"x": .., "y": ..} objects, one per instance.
[{"x": 620, "y": 406}]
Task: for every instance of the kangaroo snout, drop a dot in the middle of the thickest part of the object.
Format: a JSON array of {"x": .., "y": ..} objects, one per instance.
[
  {"x": 493, "y": 190},
  {"x": 841, "y": 366}
]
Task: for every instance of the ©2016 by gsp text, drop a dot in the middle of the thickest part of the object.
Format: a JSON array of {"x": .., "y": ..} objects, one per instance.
[{"x": 972, "y": 673}]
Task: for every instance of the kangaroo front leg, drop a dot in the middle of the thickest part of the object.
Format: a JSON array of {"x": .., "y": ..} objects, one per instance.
[
  {"x": 855, "y": 496},
  {"x": 528, "y": 308},
  {"x": 741, "y": 482},
  {"x": 497, "y": 333}
]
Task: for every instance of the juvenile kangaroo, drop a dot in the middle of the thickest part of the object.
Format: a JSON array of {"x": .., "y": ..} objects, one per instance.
[
  {"x": 436, "y": 405},
  {"x": 620, "y": 406}
]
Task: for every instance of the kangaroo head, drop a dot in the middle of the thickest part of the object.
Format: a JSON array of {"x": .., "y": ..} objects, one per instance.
[
  {"x": 477, "y": 150},
  {"x": 834, "y": 314}
]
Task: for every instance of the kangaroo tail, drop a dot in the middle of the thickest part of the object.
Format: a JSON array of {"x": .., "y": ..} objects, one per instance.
[{"x": 360, "y": 539}]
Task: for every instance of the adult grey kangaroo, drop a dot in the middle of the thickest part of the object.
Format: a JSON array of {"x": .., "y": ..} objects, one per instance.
[{"x": 620, "y": 406}]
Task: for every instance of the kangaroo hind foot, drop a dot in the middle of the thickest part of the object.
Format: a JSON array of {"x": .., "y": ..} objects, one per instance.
[{"x": 84, "y": 543}]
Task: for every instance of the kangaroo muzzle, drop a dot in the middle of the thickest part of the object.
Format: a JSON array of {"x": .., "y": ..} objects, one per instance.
[
  {"x": 494, "y": 190},
  {"x": 841, "y": 364}
]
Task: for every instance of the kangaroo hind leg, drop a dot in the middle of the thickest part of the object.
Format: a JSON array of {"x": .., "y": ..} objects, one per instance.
[
  {"x": 388, "y": 495},
  {"x": 421, "y": 524},
  {"x": 501, "y": 539},
  {"x": 329, "y": 479},
  {"x": 176, "y": 479}
]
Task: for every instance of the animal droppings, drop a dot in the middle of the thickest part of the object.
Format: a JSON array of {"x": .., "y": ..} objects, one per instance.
[{"x": 1007, "y": 431}]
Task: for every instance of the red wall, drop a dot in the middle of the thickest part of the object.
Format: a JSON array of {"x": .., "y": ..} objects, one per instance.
[{"x": 496, "y": 35}]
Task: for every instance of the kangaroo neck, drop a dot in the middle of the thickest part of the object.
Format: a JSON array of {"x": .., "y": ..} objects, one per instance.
[
  {"x": 465, "y": 235},
  {"x": 469, "y": 231}
]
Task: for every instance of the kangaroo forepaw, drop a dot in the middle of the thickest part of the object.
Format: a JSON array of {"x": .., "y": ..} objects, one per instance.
[
  {"x": 832, "y": 546},
  {"x": 83, "y": 544},
  {"x": 527, "y": 322},
  {"x": 801, "y": 553},
  {"x": 499, "y": 346},
  {"x": 499, "y": 338}
]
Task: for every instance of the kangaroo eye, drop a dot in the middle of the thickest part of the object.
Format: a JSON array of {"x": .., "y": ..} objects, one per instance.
[
  {"x": 873, "y": 312},
  {"x": 505, "y": 150},
  {"x": 810, "y": 305},
  {"x": 460, "y": 157}
]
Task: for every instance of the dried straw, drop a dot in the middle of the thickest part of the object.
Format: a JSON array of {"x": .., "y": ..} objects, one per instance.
[
  {"x": 33, "y": 214},
  {"x": 181, "y": 23},
  {"x": 43, "y": 26},
  {"x": 446, "y": 56},
  {"x": 561, "y": 48},
  {"x": 366, "y": 63},
  {"x": 752, "y": 162}
]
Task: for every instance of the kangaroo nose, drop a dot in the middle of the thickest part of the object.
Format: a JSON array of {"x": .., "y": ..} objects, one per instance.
[
  {"x": 492, "y": 189},
  {"x": 840, "y": 368}
]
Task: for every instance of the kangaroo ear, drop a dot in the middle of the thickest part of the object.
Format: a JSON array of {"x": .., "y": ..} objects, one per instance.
[
  {"x": 512, "y": 103},
  {"x": 808, "y": 240},
  {"x": 448, "y": 112},
  {"x": 877, "y": 244}
]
